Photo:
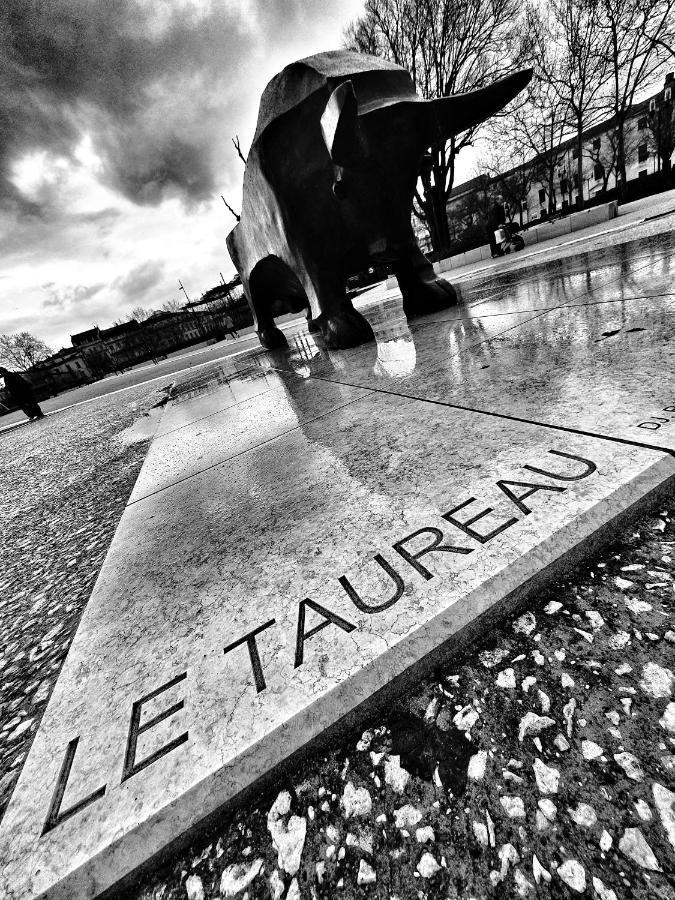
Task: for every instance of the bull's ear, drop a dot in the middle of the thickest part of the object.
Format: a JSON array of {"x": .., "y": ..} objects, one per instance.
[
  {"x": 339, "y": 124},
  {"x": 448, "y": 116}
]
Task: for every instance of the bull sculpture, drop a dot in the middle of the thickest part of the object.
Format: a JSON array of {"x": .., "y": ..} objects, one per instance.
[{"x": 329, "y": 186}]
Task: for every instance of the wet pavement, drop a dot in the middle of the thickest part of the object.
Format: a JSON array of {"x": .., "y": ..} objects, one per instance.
[{"x": 462, "y": 788}]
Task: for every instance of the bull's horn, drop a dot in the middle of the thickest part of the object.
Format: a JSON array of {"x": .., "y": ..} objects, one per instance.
[
  {"x": 339, "y": 124},
  {"x": 449, "y": 116}
]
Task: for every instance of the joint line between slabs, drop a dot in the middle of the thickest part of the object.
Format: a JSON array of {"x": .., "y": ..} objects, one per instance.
[
  {"x": 255, "y": 446},
  {"x": 484, "y": 412}
]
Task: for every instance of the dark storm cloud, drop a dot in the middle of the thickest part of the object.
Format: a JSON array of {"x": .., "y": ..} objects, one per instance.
[
  {"x": 139, "y": 280},
  {"x": 60, "y": 298},
  {"x": 146, "y": 81}
]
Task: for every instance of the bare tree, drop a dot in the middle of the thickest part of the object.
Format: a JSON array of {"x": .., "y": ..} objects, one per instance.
[
  {"x": 237, "y": 147},
  {"x": 140, "y": 314},
  {"x": 171, "y": 306},
  {"x": 567, "y": 46},
  {"x": 637, "y": 34},
  {"x": 22, "y": 349},
  {"x": 449, "y": 48},
  {"x": 511, "y": 172}
]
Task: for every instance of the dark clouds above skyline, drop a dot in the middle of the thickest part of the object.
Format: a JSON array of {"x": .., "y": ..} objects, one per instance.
[
  {"x": 144, "y": 81},
  {"x": 115, "y": 125}
]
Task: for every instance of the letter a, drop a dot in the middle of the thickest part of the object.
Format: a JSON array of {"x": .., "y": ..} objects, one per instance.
[{"x": 330, "y": 618}]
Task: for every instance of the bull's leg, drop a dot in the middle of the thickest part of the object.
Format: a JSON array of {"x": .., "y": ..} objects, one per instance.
[
  {"x": 340, "y": 325},
  {"x": 271, "y": 337},
  {"x": 422, "y": 290}
]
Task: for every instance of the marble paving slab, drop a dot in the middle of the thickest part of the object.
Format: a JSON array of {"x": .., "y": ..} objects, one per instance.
[
  {"x": 247, "y": 606},
  {"x": 606, "y": 368}
]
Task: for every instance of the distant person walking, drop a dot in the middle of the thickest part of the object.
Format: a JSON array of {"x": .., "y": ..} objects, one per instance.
[
  {"x": 22, "y": 393},
  {"x": 229, "y": 327},
  {"x": 496, "y": 219}
]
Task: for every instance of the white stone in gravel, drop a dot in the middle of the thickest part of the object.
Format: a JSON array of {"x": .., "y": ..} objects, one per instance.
[
  {"x": 544, "y": 701},
  {"x": 523, "y": 886},
  {"x": 618, "y": 641},
  {"x": 466, "y": 718},
  {"x": 601, "y": 889},
  {"x": 513, "y": 807},
  {"x": 561, "y": 743},
  {"x": 407, "y": 816},
  {"x": 623, "y": 669},
  {"x": 289, "y": 838},
  {"x": 19, "y": 730},
  {"x": 506, "y": 679},
  {"x": 605, "y": 840},
  {"x": 492, "y": 658},
  {"x": 531, "y": 723},
  {"x": 548, "y": 808},
  {"x": 425, "y": 835},
  {"x": 634, "y": 846},
  {"x": 427, "y": 866},
  {"x": 194, "y": 887},
  {"x": 525, "y": 624},
  {"x": 432, "y": 709},
  {"x": 595, "y": 619},
  {"x": 395, "y": 775},
  {"x": 670, "y": 636},
  {"x": 477, "y": 763},
  {"x": 552, "y": 607},
  {"x": 547, "y": 777},
  {"x": 613, "y": 717},
  {"x": 538, "y": 657},
  {"x": 573, "y": 874},
  {"x": 633, "y": 567},
  {"x": 528, "y": 682},
  {"x": 637, "y": 606},
  {"x": 623, "y": 583},
  {"x": 566, "y": 681},
  {"x": 356, "y": 801},
  {"x": 376, "y": 758},
  {"x": 480, "y": 831},
  {"x": 643, "y": 810},
  {"x": 568, "y": 713},
  {"x": 293, "y": 890},
  {"x": 664, "y": 800},
  {"x": 236, "y": 878},
  {"x": 583, "y": 815},
  {"x": 631, "y": 765},
  {"x": 491, "y": 829},
  {"x": 366, "y": 738},
  {"x": 366, "y": 874},
  {"x": 508, "y": 855},
  {"x": 656, "y": 681},
  {"x": 539, "y": 872},
  {"x": 590, "y": 750},
  {"x": 277, "y": 882},
  {"x": 586, "y": 635}
]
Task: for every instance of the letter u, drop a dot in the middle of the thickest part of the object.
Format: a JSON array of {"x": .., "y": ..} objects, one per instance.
[{"x": 369, "y": 608}]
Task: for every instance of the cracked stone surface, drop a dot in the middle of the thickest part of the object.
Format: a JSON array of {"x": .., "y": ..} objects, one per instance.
[
  {"x": 443, "y": 832},
  {"x": 58, "y": 513}
]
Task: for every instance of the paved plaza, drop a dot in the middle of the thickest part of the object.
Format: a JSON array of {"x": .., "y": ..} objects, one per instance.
[{"x": 308, "y": 526}]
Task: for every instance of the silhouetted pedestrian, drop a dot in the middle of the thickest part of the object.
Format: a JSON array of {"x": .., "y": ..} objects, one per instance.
[
  {"x": 496, "y": 219},
  {"x": 22, "y": 393},
  {"x": 229, "y": 327}
]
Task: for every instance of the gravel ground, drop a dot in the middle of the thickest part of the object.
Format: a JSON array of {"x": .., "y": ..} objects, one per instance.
[
  {"x": 64, "y": 482},
  {"x": 539, "y": 764}
]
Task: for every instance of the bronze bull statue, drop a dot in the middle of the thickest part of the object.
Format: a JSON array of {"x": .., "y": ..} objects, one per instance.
[{"x": 329, "y": 185}]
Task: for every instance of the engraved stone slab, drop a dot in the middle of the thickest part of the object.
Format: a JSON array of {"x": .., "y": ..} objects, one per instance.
[
  {"x": 245, "y": 607},
  {"x": 607, "y": 368}
]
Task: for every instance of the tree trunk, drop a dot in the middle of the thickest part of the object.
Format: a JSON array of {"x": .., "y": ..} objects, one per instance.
[
  {"x": 437, "y": 220},
  {"x": 580, "y": 165},
  {"x": 620, "y": 160}
]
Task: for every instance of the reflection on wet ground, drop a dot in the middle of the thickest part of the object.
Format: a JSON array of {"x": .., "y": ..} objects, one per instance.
[{"x": 582, "y": 344}]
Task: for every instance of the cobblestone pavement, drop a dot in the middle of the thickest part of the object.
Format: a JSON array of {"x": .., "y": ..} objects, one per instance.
[
  {"x": 64, "y": 482},
  {"x": 538, "y": 764}
]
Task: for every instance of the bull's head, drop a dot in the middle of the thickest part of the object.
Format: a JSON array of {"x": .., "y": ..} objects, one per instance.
[{"x": 376, "y": 144}]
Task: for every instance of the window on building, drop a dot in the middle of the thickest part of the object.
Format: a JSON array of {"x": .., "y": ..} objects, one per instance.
[
  {"x": 596, "y": 144},
  {"x": 575, "y": 153},
  {"x": 642, "y": 123},
  {"x": 542, "y": 195},
  {"x": 643, "y": 152},
  {"x": 564, "y": 186},
  {"x": 598, "y": 171}
]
